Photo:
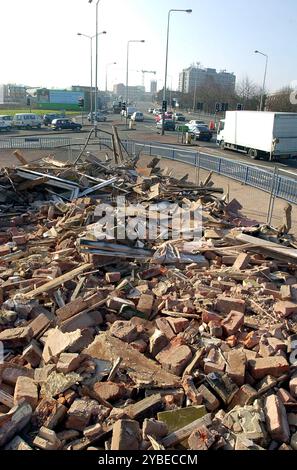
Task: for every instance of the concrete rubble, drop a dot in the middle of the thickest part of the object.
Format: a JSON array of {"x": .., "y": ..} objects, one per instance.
[{"x": 141, "y": 343}]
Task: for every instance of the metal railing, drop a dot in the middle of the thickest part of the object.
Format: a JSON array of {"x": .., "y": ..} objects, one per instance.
[
  {"x": 266, "y": 180},
  {"x": 34, "y": 142}
]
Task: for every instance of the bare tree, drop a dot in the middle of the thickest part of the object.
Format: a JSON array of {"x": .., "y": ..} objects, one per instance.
[{"x": 280, "y": 101}]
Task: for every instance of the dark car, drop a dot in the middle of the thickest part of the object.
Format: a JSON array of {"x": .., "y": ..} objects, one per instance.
[
  {"x": 200, "y": 132},
  {"x": 169, "y": 125},
  {"x": 179, "y": 117},
  {"x": 48, "y": 118},
  {"x": 65, "y": 124}
]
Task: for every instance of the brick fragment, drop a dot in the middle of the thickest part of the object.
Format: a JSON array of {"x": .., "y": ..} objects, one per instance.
[
  {"x": 113, "y": 277},
  {"x": 108, "y": 391},
  {"x": 285, "y": 308},
  {"x": 32, "y": 354},
  {"x": 26, "y": 389},
  {"x": 275, "y": 366},
  {"x": 293, "y": 386},
  {"x": 178, "y": 324},
  {"x": 158, "y": 341},
  {"x": 68, "y": 362},
  {"x": 276, "y": 419},
  {"x": 245, "y": 395},
  {"x": 164, "y": 326},
  {"x": 124, "y": 331},
  {"x": 126, "y": 435},
  {"x": 236, "y": 361},
  {"x": 228, "y": 304},
  {"x": 145, "y": 304},
  {"x": 175, "y": 359},
  {"x": 242, "y": 262},
  {"x": 233, "y": 322},
  {"x": 209, "y": 399},
  {"x": 154, "y": 428}
]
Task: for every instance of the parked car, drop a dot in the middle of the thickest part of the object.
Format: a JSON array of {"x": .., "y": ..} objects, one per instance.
[
  {"x": 150, "y": 110},
  {"x": 5, "y": 122},
  {"x": 48, "y": 118},
  {"x": 179, "y": 117},
  {"x": 200, "y": 132},
  {"x": 157, "y": 111},
  {"x": 26, "y": 121},
  {"x": 137, "y": 116},
  {"x": 197, "y": 123},
  {"x": 100, "y": 117},
  {"x": 65, "y": 124},
  {"x": 169, "y": 125}
]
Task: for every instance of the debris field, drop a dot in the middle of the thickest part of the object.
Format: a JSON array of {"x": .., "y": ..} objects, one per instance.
[{"x": 137, "y": 343}]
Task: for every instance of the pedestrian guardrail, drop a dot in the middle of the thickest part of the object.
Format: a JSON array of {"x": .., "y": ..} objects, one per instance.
[{"x": 34, "y": 143}]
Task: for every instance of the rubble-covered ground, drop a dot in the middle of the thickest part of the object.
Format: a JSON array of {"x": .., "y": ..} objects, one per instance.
[{"x": 139, "y": 342}]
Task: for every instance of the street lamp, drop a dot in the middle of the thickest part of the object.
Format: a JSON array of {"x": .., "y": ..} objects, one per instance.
[
  {"x": 91, "y": 47},
  {"x": 96, "y": 71},
  {"x": 106, "y": 81},
  {"x": 127, "y": 72},
  {"x": 166, "y": 61},
  {"x": 264, "y": 81}
]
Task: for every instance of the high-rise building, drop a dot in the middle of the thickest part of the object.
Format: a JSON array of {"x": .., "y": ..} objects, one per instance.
[
  {"x": 194, "y": 76},
  {"x": 153, "y": 86}
]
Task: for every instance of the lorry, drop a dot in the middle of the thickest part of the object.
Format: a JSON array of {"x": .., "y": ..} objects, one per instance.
[{"x": 260, "y": 134}]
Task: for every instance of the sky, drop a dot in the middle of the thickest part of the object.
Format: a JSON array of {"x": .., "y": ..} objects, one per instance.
[{"x": 40, "y": 47}]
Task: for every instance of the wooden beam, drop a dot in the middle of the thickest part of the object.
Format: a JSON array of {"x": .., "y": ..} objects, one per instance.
[{"x": 58, "y": 281}]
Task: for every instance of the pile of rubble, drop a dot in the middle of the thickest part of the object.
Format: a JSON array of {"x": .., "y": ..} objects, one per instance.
[{"x": 141, "y": 343}]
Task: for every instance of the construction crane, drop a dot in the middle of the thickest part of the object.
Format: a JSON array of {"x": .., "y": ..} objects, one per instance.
[{"x": 143, "y": 74}]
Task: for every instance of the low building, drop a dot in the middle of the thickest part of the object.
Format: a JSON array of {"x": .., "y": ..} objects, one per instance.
[
  {"x": 135, "y": 93},
  {"x": 13, "y": 95}
]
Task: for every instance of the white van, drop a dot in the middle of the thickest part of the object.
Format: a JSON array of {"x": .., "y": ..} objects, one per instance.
[
  {"x": 5, "y": 122},
  {"x": 27, "y": 121}
]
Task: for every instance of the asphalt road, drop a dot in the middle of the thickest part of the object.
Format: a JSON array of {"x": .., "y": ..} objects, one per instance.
[{"x": 147, "y": 131}]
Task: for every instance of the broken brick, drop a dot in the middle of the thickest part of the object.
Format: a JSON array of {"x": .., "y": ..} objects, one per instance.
[
  {"x": 124, "y": 330},
  {"x": 233, "y": 322},
  {"x": 26, "y": 389},
  {"x": 175, "y": 359},
  {"x": 125, "y": 435},
  {"x": 275, "y": 366},
  {"x": 228, "y": 304},
  {"x": 285, "y": 308},
  {"x": 276, "y": 419}
]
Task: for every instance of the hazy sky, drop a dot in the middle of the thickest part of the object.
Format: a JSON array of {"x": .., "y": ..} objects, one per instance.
[{"x": 39, "y": 46}]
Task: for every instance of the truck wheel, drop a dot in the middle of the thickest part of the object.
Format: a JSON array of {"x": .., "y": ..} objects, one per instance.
[
  {"x": 222, "y": 145},
  {"x": 253, "y": 154}
]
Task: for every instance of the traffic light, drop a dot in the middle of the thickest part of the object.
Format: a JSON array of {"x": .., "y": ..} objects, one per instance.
[
  {"x": 28, "y": 101},
  {"x": 239, "y": 107},
  {"x": 123, "y": 106},
  {"x": 164, "y": 106},
  {"x": 81, "y": 102},
  {"x": 200, "y": 106},
  {"x": 224, "y": 107},
  {"x": 218, "y": 107}
]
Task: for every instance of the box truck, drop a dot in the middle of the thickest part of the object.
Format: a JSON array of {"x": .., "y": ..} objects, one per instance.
[{"x": 259, "y": 134}]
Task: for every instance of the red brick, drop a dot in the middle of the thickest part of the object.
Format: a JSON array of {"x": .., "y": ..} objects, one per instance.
[
  {"x": 245, "y": 395},
  {"x": 201, "y": 439},
  {"x": 178, "y": 324},
  {"x": 228, "y": 304},
  {"x": 211, "y": 316},
  {"x": 164, "y": 326},
  {"x": 145, "y": 304},
  {"x": 242, "y": 261},
  {"x": 158, "y": 341},
  {"x": 124, "y": 331},
  {"x": 108, "y": 391},
  {"x": 154, "y": 428},
  {"x": 209, "y": 399},
  {"x": 285, "y": 397},
  {"x": 175, "y": 359},
  {"x": 26, "y": 389},
  {"x": 285, "y": 308},
  {"x": 233, "y": 322},
  {"x": 276, "y": 419},
  {"x": 235, "y": 368},
  {"x": 20, "y": 239},
  {"x": 68, "y": 362},
  {"x": 126, "y": 435},
  {"x": 113, "y": 277},
  {"x": 139, "y": 344},
  {"x": 275, "y": 366},
  {"x": 214, "y": 362}
]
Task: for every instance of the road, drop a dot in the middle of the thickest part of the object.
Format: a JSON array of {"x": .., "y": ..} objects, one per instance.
[{"x": 147, "y": 131}]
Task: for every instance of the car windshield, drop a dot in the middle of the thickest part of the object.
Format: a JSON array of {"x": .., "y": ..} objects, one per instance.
[{"x": 202, "y": 128}]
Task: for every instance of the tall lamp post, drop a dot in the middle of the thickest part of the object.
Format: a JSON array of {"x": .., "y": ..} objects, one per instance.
[
  {"x": 91, "y": 47},
  {"x": 96, "y": 70},
  {"x": 166, "y": 62},
  {"x": 264, "y": 81},
  {"x": 106, "y": 80},
  {"x": 127, "y": 73}
]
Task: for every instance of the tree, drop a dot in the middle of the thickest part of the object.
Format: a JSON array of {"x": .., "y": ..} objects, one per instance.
[
  {"x": 281, "y": 101},
  {"x": 248, "y": 93}
]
